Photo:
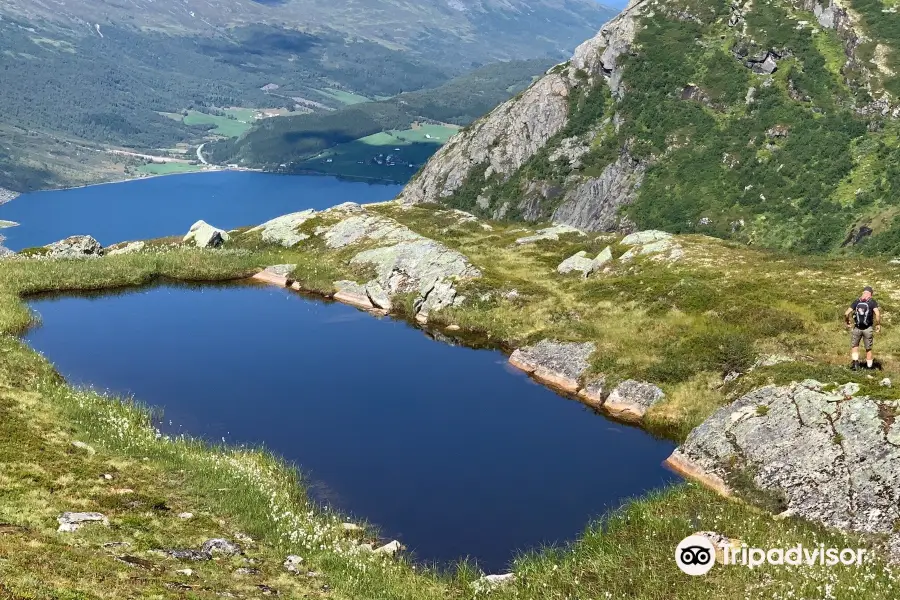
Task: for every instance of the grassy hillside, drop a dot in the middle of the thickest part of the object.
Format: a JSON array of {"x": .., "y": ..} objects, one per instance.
[
  {"x": 293, "y": 141},
  {"x": 249, "y": 497},
  {"x": 802, "y": 158}
]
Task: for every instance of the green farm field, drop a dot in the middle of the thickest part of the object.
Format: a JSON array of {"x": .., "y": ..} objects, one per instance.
[
  {"x": 168, "y": 168},
  {"x": 343, "y": 97}
]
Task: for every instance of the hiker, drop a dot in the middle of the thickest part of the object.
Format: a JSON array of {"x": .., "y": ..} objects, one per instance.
[{"x": 865, "y": 324}]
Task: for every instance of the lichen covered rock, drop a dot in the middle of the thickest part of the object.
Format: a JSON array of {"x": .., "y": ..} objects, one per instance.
[
  {"x": 76, "y": 246},
  {"x": 558, "y": 364},
  {"x": 204, "y": 235},
  {"x": 828, "y": 457}
]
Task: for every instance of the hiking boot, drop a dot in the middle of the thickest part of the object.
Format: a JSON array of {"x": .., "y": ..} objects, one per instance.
[{"x": 854, "y": 366}]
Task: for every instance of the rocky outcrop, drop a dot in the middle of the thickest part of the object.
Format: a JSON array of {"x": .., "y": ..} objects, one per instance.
[
  {"x": 659, "y": 245},
  {"x": 630, "y": 400},
  {"x": 594, "y": 203},
  {"x": 581, "y": 263},
  {"x": 825, "y": 455},
  {"x": 404, "y": 261},
  {"x": 352, "y": 293},
  {"x": 549, "y": 233},
  {"x": 599, "y": 56},
  {"x": 127, "y": 248},
  {"x": 70, "y": 522},
  {"x": 502, "y": 141},
  {"x": 364, "y": 227},
  {"x": 558, "y": 364},
  {"x": 505, "y": 139},
  {"x": 420, "y": 266},
  {"x": 76, "y": 246},
  {"x": 204, "y": 235},
  {"x": 283, "y": 230}
]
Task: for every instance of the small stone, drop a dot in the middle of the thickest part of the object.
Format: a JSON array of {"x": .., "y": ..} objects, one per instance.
[
  {"x": 490, "y": 582},
  {"x": 115, "y": 545},
  {"x": 886, "y": 382},
  {"x": 243, "y": 538},
  {"x": 848, "y": 389},
  {"x": 81, "y": 445},
  {"x": 453, "y": 328},
  {"x": 731, "y": 377},
  {"x": 185, "y": 515},
  {"x": 313, "y": 574},
  {"x": 292, "y": 563},
  {"x": 351, "y": 528},
  {"x": 390, "y": 548},
  {"x": 72, "y": 521},
  {"x": 185, "y": 554},
  {"x": 246, "y": 571},
  {"x": 129, "y": 248},
  {"x": 221, "y": 546},
  {"x": 645, "y": 237},
  {"x": 787, "y": 514},
  {"x": 107, "y": 476},
  {"x": 185, "y": 572}
]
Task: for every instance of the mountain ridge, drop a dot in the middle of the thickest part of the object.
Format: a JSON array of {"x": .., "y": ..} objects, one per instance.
[{"x": 740, "y": 120}]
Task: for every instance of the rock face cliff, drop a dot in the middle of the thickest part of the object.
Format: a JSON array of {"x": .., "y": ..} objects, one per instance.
[
  {"x": 699, "y": 116},
  {"x": 497, "y": 146}
]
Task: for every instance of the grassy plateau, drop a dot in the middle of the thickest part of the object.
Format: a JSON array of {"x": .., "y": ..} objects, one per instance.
[{"x": 681, "y": 325}]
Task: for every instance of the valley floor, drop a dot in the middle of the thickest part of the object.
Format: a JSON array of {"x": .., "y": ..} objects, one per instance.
[{"x": 682, "y": 324}]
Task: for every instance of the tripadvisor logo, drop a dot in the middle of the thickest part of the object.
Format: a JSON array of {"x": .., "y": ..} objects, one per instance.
[{"x": 696, "y": 555}]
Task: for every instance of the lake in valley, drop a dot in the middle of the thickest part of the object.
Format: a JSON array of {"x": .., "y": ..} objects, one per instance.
[
  {"x": 164, "y": 206},
  {"x": 445, "y": 448}
]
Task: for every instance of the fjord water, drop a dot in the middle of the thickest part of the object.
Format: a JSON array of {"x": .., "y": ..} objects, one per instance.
[
  {"x": 445, "y": 448},
  {"x": 164, "y": 206}
]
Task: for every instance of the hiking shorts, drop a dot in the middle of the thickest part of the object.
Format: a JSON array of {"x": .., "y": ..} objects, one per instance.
[{"x": 866, "y": 335}]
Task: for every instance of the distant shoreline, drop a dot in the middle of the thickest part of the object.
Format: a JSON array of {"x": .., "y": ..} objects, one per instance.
[
  {"x": 305, "y": 173},
  {"x": 128, "y": 179}
]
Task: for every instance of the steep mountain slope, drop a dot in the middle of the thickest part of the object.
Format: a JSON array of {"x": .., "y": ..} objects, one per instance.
[{"x": 774, "y": 123}]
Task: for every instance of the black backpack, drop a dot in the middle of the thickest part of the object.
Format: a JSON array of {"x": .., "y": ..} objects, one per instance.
[{"x": 863, "y": 315}]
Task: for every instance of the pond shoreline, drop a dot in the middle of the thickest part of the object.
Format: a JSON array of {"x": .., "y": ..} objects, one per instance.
[{"x": 551, "y": 381}]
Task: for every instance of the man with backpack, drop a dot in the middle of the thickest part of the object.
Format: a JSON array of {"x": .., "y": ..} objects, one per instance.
[{"x": 865, "y": 324}]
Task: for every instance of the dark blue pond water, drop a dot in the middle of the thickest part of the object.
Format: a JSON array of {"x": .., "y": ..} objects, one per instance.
[
  {"x": 445, "y": 448},
  {"x": 163, "y": 206}
]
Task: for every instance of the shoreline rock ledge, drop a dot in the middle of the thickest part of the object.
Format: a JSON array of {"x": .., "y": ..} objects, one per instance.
[
  {"x": 563, "y": 365},
  {"x": 819, "y": 453},
  {"x": 560, "y": 365}
]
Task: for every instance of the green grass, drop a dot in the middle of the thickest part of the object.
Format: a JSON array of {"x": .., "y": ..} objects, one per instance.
[
  {"x": 244, "y": 115},
  {"x": 346, "y": 98},
  {"x": 224, "y": 126},
  {"x": 439, "y": 135},
  {"x": 168, "y": 168},
  {"x": 627, "y": 554}
]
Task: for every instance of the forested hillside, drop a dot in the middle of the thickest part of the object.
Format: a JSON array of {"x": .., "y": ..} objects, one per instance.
[
  {"x": 288, "y": 139},
  {"x": 101, "y": 73},
  {"x": 773, "y": 123}
]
